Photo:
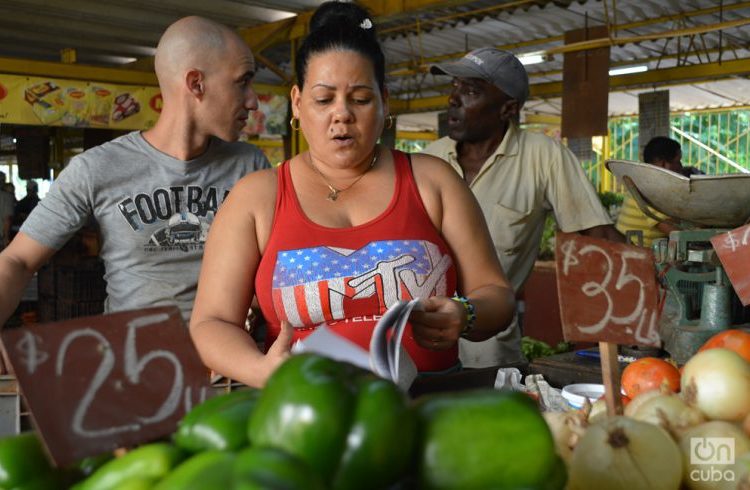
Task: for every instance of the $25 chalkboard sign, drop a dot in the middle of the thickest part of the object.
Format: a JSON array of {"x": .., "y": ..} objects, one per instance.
[
  {"x": 97, "y": 383},
  {"x": 607, "y": 291}
]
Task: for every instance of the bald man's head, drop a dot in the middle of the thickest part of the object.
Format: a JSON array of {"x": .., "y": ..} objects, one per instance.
[{"x": 191, "y": 42}]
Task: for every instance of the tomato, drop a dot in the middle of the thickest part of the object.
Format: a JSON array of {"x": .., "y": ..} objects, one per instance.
[
  {"x": 648, "y": 373},
  {"x": 736, "y": 340}
]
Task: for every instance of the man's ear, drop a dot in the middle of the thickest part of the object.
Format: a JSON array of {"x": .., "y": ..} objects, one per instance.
[
  {"x": 510, "y": 109},
  {"x": 195, "y": 83}
]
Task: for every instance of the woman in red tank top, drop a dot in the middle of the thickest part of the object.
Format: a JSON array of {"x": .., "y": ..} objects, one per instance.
[{"x": 341, "y": 232}]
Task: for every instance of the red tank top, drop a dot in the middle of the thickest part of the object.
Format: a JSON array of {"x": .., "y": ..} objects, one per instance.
[{"x": 347, "y": 277}]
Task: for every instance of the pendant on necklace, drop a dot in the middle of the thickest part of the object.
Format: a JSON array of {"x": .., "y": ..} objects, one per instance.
[{"x": 334, "y": 194}]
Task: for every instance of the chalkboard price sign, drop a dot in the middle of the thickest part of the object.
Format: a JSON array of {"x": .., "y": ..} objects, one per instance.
[
  {"x": 97, "y": 383},
  {"x": 607, "y": 291},
  {"x": 733, "y": 249}
]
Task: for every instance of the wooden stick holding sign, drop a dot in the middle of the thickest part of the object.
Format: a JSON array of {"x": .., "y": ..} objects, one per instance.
[
  {"x": 97, "y": 383},
  {"x": 607, "y": 294}
]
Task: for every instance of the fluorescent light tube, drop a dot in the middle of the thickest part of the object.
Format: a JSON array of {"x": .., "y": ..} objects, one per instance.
[{"x": 627, "y": 70}]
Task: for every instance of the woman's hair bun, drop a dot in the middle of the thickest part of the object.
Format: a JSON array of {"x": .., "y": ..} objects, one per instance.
[{"x": 342, "y": 15}]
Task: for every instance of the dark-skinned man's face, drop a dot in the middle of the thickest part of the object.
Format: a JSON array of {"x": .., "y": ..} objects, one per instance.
[{"x": 477, "y": 110}]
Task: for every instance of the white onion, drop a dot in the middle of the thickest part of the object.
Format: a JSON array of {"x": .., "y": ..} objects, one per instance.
[
  {"x": 598, "y": 411},
  {"x": 717, "y": 382},
  {"x": 567, "y": 428},
  {"x": 700, "y": 447},
  {"x": 622, "y": 453},
  {"x": 640, "y": 399},
  {"x": 668, "y": 411}
]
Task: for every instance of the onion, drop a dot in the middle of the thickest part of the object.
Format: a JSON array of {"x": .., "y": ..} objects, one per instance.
[
  {"x": 741, "y": 472},
  {"x": 669, "y": 411},
  {"x": 598, "y": 411},
  {"x": 717, "y": 382},
  {"x": 702, "y": 445},
  {"x": 622, "y": 453},
  {"x": 567, "y": 428},
  {"x": 642, "y": 398}
]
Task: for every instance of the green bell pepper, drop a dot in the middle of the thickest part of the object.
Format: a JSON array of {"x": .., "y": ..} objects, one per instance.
[
  {"x": 151, "y": 461},
  {"x": 485, "y": 439},
  {"x": 354, "y": 429},
  {"x": 208, "y": 470},
  {"x": 273, "y": 469},
  {"x": 88, "y": 465},
  {"x": 22, "y": 459},
  {"x": 218, "y": 423}
]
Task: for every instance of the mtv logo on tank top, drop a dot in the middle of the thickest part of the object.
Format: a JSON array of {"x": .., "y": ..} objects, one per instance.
[{"x": 327, "y": 284}]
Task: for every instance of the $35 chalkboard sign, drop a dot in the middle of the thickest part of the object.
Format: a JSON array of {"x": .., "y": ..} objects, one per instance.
[
  {"x": 97, "y": 383},
  {"x": 607, "y": 291}
]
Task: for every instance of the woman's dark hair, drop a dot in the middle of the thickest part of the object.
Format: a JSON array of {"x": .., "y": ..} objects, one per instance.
[
  {"x": 660, "y": 148},
  {"x": 341, "y": 26}
]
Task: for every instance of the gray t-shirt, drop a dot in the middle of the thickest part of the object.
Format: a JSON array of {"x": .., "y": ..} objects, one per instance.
[{"x": 153, "y": 212}]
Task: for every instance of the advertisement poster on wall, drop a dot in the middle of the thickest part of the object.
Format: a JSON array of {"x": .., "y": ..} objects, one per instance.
[{"x": 73, "y": 103}]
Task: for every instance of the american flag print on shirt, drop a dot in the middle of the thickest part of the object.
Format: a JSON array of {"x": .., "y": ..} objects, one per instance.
[{"x": 314, "y": 285}]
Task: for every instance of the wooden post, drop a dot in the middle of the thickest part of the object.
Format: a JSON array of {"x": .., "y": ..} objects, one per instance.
[{"x": 611, "y": 377}]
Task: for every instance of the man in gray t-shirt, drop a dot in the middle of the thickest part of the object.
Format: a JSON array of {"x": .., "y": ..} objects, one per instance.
[{"x": 153, "y": 194}]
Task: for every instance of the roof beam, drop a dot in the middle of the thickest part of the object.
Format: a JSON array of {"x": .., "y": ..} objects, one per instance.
[
  {"x": 90, "y": 10},
  {"x": 679, "y": 75},
  {"x": 16, "y": 66},
  {"x": 409, "y": 66},
  {"x": 9, "y": 33},
  {"x": 227, "y": 11},
  {"x": 272, "y": 33}
]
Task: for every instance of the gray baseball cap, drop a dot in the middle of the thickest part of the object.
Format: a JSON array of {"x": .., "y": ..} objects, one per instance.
[{"x": 498, "y": 67}]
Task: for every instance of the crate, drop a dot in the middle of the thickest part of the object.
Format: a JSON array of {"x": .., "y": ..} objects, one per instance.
[
  {"x": 66, "y": 309},
  {"x": 82, "y": 282},
  {"x": 46, "y": 281}
]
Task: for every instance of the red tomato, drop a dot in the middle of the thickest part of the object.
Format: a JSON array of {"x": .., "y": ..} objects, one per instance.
[
  {"x": 736, "y": 340},
  {"x": 648, "y": 373}
]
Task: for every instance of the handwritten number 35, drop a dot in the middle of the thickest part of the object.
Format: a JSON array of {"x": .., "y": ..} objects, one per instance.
[
  {"x": 593, "y": 288},
  {"x": 133, "y": 367}
]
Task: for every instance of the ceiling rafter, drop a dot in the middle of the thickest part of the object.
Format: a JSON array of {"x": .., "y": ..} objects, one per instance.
[
  {"x": 679, "y": 75},
  {"x": 557, "y": 39}
]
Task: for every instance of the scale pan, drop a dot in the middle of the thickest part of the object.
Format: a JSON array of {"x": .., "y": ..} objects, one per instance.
[{"x": 713, "y": 201}]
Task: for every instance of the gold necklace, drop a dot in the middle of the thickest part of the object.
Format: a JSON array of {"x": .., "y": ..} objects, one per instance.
[{"x": 334, "y": 192}]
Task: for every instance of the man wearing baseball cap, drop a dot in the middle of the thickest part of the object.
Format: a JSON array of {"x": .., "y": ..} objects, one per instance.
[{"x": 517, "y": 177}]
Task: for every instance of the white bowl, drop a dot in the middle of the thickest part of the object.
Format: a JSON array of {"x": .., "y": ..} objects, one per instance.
[{"x": 577, "y": 393}]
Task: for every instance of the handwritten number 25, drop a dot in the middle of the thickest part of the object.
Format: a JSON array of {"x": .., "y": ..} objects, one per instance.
[{"x": 133, "y": 367}]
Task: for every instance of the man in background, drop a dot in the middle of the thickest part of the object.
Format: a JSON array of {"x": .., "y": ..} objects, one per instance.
[
  {"x": 665, "y": 153},
  {"x": 153, "y": 194},
  {"x": 518, "y": 177}
]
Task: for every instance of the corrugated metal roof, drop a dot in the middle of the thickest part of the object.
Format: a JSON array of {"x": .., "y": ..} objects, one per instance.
[{"x": 110, "y": 32}]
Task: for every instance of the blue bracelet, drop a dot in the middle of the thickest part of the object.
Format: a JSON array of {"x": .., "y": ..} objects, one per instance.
[{"x": 471, "y": 314}]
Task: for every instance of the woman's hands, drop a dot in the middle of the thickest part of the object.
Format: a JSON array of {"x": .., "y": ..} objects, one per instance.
[
  {"x": 439, "y": 324},
  {"x": 279, "y": 351}
]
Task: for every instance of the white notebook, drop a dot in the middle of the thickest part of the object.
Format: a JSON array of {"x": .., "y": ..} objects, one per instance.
[{"x": 387, "y": 357}]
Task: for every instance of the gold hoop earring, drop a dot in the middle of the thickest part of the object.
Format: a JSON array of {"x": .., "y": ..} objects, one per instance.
[
  {"x": 389, "y": 121},
  {"x": 292, "y": 125}
]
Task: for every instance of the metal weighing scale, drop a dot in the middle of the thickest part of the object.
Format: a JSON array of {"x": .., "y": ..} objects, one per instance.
[{"x": 699, "y": 299}]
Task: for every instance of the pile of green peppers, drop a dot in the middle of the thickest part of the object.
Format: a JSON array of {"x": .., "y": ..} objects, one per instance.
[{"x": 322, "y": 424}]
